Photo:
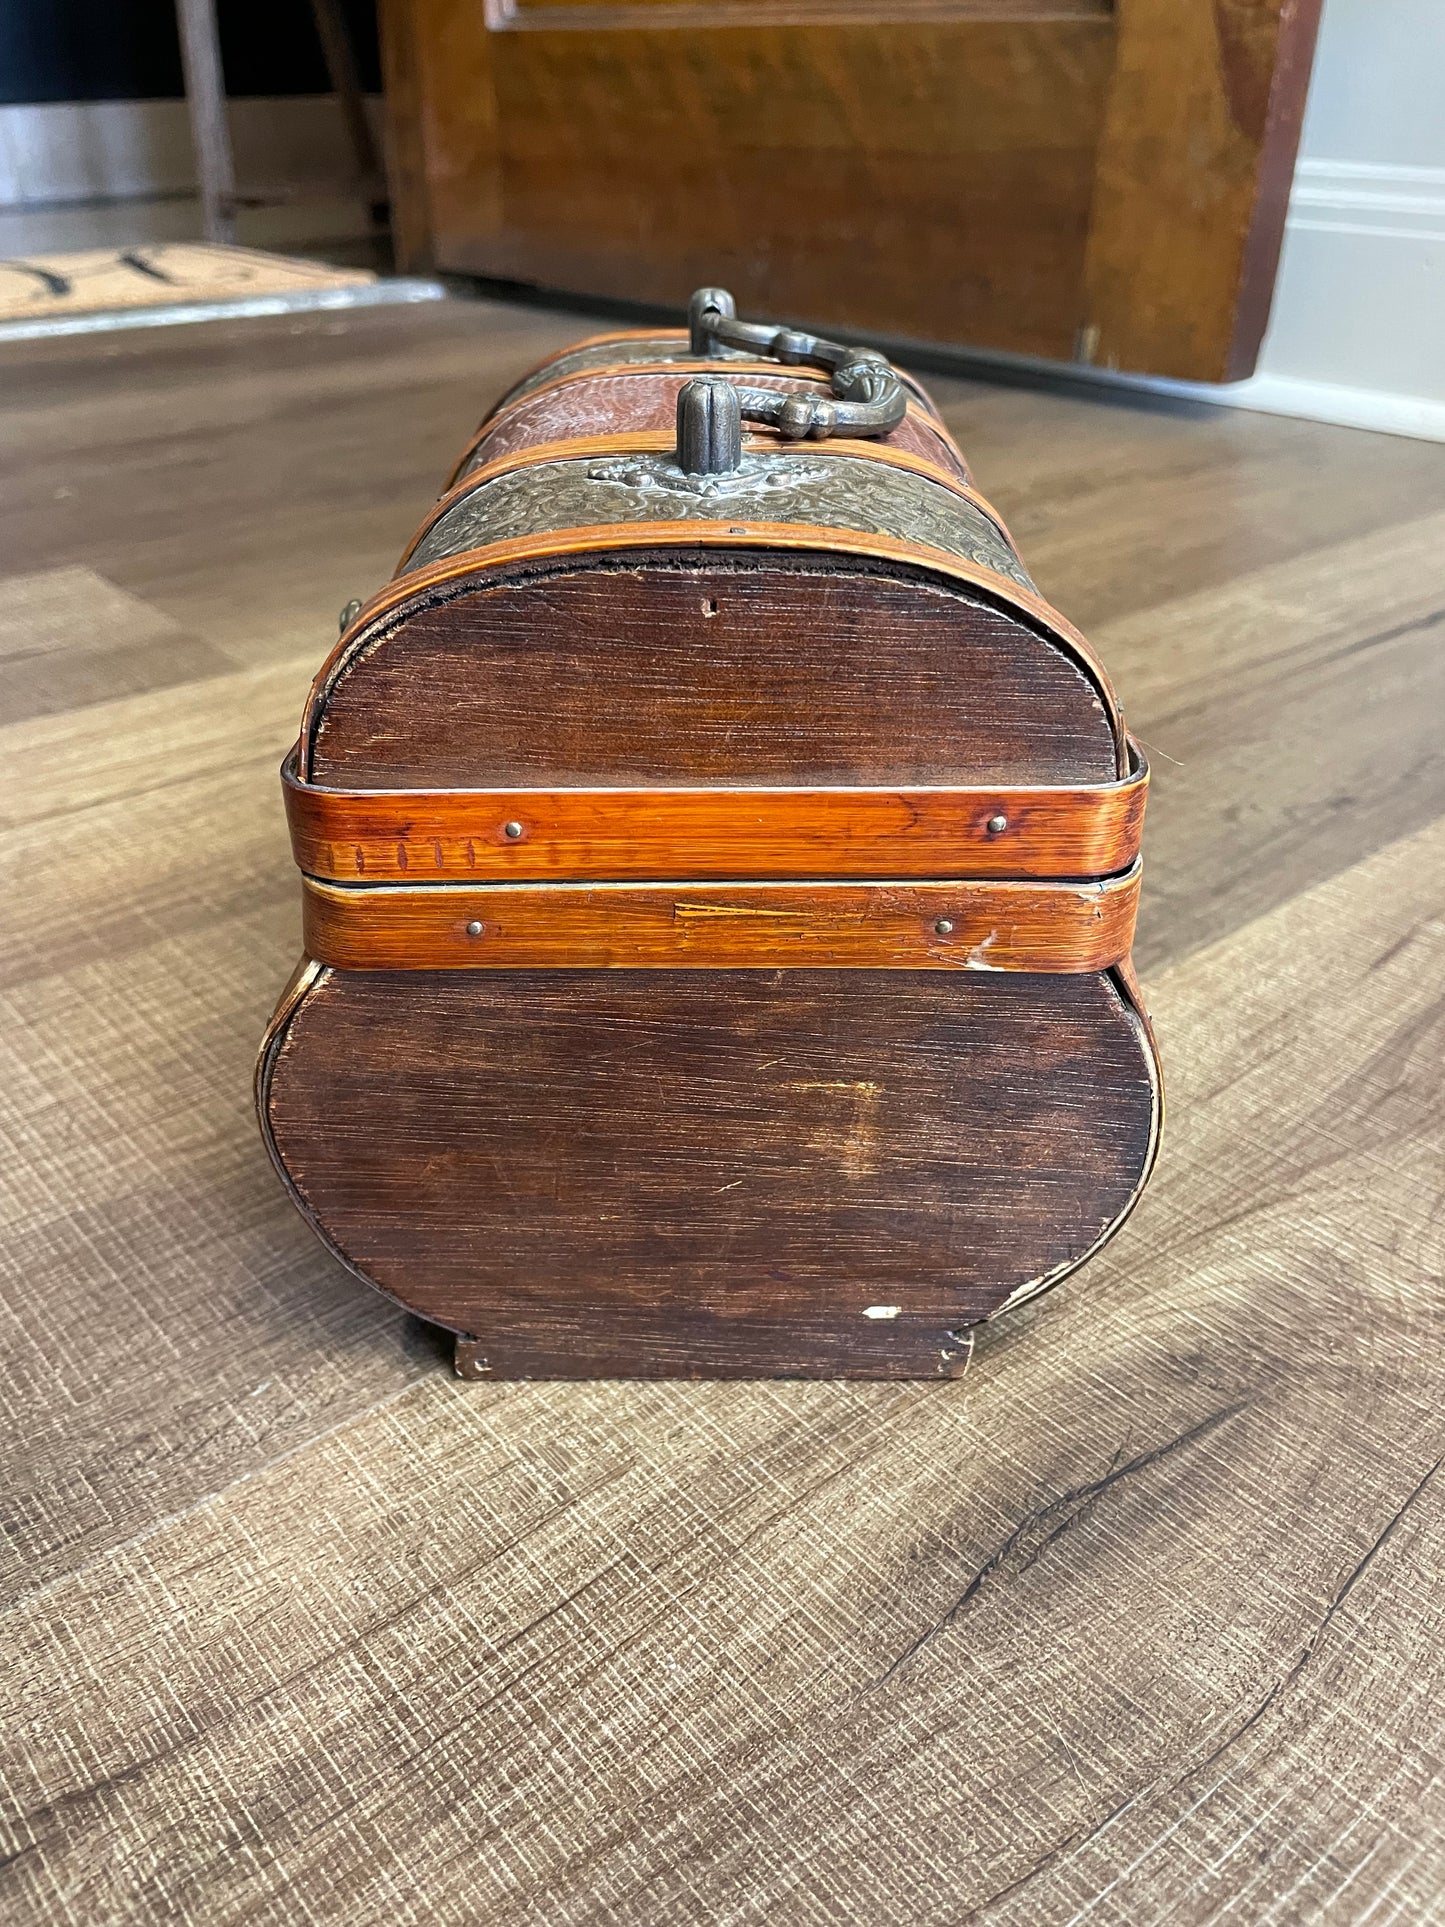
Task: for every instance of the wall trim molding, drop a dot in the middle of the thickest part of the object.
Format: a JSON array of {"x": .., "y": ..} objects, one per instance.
[
  {"x": 1361, "y": 197},
  {"x": 1357, "y": 334},
  {"x": 1376, "y": 409},
  {"x": 63, "y": 152}
]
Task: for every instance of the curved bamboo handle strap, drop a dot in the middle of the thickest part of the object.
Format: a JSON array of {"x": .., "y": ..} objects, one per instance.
[
  {"x": 932, "y": 925},
  {"x": 538, "y": 835}
]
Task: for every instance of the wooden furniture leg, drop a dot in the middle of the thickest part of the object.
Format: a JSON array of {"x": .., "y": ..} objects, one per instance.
[
  {"x": 206, "y": 103},
  {"x": 340, "y": 57}
]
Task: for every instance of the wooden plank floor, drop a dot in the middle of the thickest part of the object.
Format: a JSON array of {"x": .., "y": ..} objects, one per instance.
[{"x": 1139, "y": 1621}]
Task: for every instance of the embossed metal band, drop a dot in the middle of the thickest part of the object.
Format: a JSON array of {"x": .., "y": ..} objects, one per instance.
[
  {"x": 847, "y": 487},
  {"x": 825, "y": 925},
  {"x": 517, "y": 835},
  {"x": 642, "y": 461}
]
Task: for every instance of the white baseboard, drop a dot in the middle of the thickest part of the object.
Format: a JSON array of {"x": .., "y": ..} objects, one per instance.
[
  {"x": 1320, "y": 401},
  {"x": 1359, "y": 307},
  {"x": 1359, "y": 197},
  {"x": 1324, "y": 401},
  {"x": 92, "y": 150}
]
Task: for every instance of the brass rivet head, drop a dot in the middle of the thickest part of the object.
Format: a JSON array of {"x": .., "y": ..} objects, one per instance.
[
  {"x": 513, "y": 830},
  {"x": 944, "y": 927},
  {"x": 996, "y": 825},
  {"x": 474, "y": 929}
]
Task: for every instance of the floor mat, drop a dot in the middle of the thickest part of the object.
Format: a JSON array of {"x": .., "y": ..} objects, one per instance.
[{"x": 103, "y": 280}]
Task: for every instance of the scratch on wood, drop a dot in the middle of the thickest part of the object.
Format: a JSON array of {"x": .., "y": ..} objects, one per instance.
[
  {"x": 1377, "y": 1546},
  {"x": 977, "y": 958},
  {"x": 947, "y": 1357},
  {"x": 732, "y": 910},
  {"x": 859, "y": 1088},
  {"x": 1024, "y": 1545}
]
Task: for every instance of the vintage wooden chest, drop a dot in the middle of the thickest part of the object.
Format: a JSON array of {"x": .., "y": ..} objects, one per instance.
[{"x": 719, "y": 871}]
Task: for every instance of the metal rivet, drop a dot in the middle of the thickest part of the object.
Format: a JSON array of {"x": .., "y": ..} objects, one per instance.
[
  {"x": 511, "y": 829},
  {"x": 944, "y": 927},
  {"x": 996, "y": 825},
  {"x": 474, "y": 929}
]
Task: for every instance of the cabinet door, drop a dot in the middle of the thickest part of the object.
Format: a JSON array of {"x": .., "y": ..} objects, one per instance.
[{"x": 1095, "y": 180}]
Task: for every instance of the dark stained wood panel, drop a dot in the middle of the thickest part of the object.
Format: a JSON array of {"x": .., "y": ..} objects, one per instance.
[
  {"x": 709, "y": 1162},
  {"x": 712, "y": 670},
  {"x": 778, "y": 163}
]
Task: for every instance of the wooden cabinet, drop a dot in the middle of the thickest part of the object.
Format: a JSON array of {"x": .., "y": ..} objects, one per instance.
[{"x": 1100, "y": 180}]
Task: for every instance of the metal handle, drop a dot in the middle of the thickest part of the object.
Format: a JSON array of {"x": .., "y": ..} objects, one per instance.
[{"x": 868, "y": 396}]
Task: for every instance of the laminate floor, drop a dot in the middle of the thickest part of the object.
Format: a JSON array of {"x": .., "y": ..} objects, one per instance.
[{"x": 1139, "y": 1621}]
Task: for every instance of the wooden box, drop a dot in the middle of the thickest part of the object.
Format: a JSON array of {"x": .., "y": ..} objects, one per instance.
[{"x": 719, "y": 871}]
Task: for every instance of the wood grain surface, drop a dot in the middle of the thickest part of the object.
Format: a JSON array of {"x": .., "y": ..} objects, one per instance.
[
  {"x": 801, "y": 1174},
  {"x": 1136, "y": 1621},
  {"x": 1100, "y": 182},
  {"x": 671, "y": 665},
  {"x": 922, "y": 925},
  {"x": 439, "y": 836}
]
